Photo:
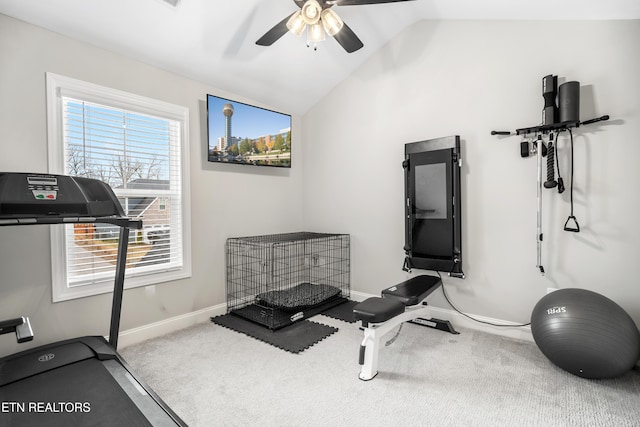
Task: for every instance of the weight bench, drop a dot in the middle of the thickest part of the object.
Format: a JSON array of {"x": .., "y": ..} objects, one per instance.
[{"x": 400, "y": 303}]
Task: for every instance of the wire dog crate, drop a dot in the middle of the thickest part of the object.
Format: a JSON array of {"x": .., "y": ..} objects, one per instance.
[{"x": 277, "y": 279}]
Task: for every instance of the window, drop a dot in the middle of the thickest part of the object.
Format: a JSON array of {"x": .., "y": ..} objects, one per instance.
[{"x": 139, "y": 146}]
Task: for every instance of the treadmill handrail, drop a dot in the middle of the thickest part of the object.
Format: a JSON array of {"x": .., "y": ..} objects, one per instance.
[{"x": 119, "y": 221}]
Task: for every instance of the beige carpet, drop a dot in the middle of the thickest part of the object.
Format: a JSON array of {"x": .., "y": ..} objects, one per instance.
[{"x": 212, "y": 376}]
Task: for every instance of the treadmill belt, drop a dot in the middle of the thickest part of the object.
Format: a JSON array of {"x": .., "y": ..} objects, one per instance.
[{"x": 81, "y": 394}]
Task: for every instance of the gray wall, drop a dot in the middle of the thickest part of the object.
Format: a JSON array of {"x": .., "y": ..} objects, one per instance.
[
  {"x": 468, "y": 78},
  {"x": 226, "y": 200},
  {"x": 434, "y": 79}
]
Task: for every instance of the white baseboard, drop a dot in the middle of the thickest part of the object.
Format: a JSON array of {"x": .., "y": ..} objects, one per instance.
[
  {"x": 457, "y": 319},
  {"x": 157, "y": 329}
]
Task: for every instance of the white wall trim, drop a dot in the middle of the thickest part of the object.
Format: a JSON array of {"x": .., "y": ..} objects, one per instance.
[
  {"x": 163, "y": 327},
  {"x": 458, "y": 320}
]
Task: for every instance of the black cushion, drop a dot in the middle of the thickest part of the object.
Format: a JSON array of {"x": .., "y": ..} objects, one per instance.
[
  {"x": 299, "y": 297},
  {"x": 376, "y": 310},
  {"x": 414, "y": 290}
]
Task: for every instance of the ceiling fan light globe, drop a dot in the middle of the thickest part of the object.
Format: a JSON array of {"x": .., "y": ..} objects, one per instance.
[
  {"x": 296, "y": 24},
  {"x": 311, "y": 12},
  {"x": 315, "y": 33},
  {"x": 331, "y": 22}
]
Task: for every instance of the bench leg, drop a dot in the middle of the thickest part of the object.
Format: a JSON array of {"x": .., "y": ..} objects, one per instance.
[
  {"x": 369, "y": 350},
  {"x": 370, "y": 347}
]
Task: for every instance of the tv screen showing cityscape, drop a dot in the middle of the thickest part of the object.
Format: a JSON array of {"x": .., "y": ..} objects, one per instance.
[{"x": 248, "y": 135}]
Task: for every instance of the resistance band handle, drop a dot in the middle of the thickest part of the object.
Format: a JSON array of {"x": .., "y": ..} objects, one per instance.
[{"x": 575, "y": 229}]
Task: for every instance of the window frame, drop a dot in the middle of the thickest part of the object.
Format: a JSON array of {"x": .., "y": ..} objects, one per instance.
[{"x": 58, "y": 86}]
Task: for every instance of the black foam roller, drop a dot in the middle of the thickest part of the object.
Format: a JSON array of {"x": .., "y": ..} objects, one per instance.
[
  {"x": 569, "y": 102},
  {"x": 549, "y": 92}
]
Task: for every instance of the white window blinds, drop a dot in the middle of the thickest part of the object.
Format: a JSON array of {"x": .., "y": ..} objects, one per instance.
[{"x": 136, "y": 148}]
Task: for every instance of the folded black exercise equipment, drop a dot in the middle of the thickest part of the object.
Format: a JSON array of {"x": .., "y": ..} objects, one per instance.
[
  {"x": 82, "y": 381},
  {"x": 401, "y": 303}
]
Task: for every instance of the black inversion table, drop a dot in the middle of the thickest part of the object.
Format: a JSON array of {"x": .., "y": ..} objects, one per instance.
[{"x": 82, "y": 381}]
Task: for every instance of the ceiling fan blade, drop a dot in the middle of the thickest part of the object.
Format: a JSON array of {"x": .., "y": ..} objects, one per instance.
[
  {"x": 271, "y": 36},
  {"x": 300, "y": 3},
  {"x": 361, "y": 2},
  {"x": 348, "y": 39}
]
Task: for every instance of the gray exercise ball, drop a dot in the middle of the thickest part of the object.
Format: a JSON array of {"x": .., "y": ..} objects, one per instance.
[{"x": 585, "y": 333}]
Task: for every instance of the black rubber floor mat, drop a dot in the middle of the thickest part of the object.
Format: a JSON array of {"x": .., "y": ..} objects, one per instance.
[
  {"x": 342, "y": 312},
  {"x": 293, "y": 338}
]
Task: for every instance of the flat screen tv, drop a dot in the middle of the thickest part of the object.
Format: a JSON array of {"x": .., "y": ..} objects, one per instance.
[{"x": 248, "y": 135}]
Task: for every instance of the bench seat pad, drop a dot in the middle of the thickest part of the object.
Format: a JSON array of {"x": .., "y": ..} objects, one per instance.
[
  {"x": 376, "y": 310},
  {"x": 414, "y": 290}
]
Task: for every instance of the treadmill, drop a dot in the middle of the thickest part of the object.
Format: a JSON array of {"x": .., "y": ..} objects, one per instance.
[{"x": 83, "y": 381}]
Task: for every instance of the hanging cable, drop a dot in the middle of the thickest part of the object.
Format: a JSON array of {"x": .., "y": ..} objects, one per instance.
[
  {"x": 446, "y": 297},
  {"x": 560, "y": 180}
]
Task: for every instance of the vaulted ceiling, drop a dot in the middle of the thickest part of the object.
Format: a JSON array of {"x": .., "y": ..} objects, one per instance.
[{"x": 213, "y": 41}]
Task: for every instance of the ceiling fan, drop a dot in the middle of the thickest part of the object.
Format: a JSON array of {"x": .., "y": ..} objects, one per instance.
[{"x": 318, "y": 18}]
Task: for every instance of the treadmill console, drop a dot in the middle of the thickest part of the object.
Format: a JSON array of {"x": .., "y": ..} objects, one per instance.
[
  {"x": 43, "y": 187},
  {"x": 28, "y": 195}
]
